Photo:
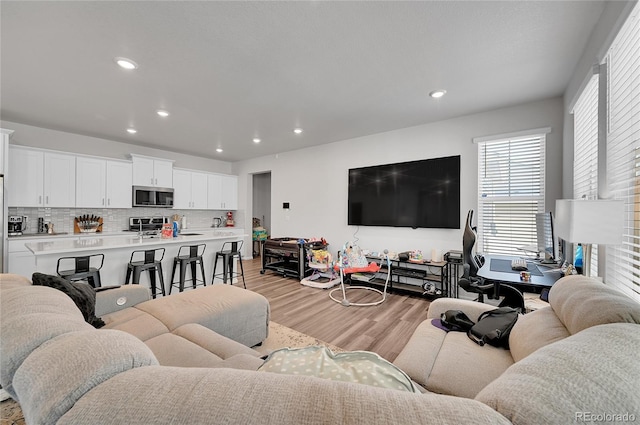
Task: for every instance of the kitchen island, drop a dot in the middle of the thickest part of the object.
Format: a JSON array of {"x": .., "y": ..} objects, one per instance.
[{"x": 117, "y": 252}]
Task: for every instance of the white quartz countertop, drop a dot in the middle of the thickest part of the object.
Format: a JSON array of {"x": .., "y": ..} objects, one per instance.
[{"x": 127, "y": 240}]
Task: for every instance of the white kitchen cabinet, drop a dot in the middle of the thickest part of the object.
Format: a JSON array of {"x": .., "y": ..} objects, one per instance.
[
  {"x": 91, "y": 176},
  {"x": 154, "y": 172},
  {"x": 41, "y": 178},
  {"x": 119, "y": 184},
  {"x": 222, "y": 192},
  {"x": 102, "y": 183},
  {"x": 190, "y": 190},
  {"x": 4, "y": 148}
]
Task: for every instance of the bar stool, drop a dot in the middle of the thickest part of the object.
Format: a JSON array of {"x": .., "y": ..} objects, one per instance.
[
  {"x": 81, "y": 269},
  {"x": 146, "y": 260},
  {"x": 229, "y": 251},
  {"x": 192, "y": 258}
]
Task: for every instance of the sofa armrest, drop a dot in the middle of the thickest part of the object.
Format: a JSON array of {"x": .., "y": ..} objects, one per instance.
[
  {"x": 119, "y": 298},
  {"x": 472, "y": 309}
]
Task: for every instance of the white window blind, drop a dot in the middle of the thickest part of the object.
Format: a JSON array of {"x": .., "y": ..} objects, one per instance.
[
  {"x": 511, "y": 191},
  {"x": 585, "y": 148},
  {"x": 623, "y": 152}
]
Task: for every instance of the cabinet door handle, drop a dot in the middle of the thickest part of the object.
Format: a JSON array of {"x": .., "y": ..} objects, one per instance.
[
  {"x": 156, "y": 181},
  {"x": 108, "y": 201},
  {"x": 102, "y": 201},
  {"x": 40, "y": 200},
  {"x": 151, "y": 180},
  {"x": 47, "y": 199}
]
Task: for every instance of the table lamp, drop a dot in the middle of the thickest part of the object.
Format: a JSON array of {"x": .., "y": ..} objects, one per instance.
[{"x": 587, "y": 222}]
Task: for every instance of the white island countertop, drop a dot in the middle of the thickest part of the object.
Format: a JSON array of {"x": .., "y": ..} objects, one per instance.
[{"x": 132, "y": 241}]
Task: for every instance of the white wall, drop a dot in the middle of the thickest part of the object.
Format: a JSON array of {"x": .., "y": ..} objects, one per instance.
[
  {"x": 27, "y": 135},
  {"x": 314, "y": 180}
]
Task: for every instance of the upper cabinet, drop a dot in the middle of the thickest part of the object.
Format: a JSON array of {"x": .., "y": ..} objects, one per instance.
[
  {"x": 41, "y": 179},
  {"x": 102, "y": 183},
  {"x": 190, "y": 190},
  {"x": 4, "y": 149},
  {"x": 222, "y": 192},
  {"x": 149, "y": 171}
]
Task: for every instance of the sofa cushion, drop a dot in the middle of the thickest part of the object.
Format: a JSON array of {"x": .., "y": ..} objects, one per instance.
[
  {"x": 136, "y": 322},
  {"x": 214, "y": 342},
  {"x": 201, "y": 396},
  {"x": 59, "y": 372},
  {"x": 10, "y": 280},
  {"x": 581, "y": 302},
  {"x": 29, "y": 316},
  {"x": 172, "y": 350},
  {"x": 450, "y": 363},
  {"x": 594, "y": 371},
  {"x": 234, "y": 312},
  {"x": 82, "y": 294},
  {"x": 535, "y": 330}
]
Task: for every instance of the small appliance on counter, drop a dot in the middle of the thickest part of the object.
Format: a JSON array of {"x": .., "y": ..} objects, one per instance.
[
  {"x": 230, "y": 222},
  {"x": 217, "y": 221},
  {"x": 87, "y": 224},
  {"x": 147, "y": 226},
  {"x": 17, "y": 225}
]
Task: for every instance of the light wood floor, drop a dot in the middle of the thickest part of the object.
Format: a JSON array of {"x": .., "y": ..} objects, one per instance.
[{"x": 384, "y": 329}]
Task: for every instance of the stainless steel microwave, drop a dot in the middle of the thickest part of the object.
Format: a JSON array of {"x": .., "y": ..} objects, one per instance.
[{"x": 146, "y": 196}]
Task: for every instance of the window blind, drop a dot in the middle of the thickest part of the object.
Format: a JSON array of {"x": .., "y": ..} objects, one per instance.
[
  {"x": 623, "y": 152},
  {"x": 511, "y": 191},
  {"x": 585, "y": 148}
]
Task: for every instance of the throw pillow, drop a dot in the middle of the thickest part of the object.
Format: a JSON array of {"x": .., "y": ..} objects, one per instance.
[
  {"x": 363, "y": 367},
  {"x": 82, "y": 294}
]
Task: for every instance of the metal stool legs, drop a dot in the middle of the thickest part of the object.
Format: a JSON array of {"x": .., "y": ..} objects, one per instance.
[
  {"x": 151, "y": 265},
  {"x": 188, "y": 260},
  {"x": 230, "y": 250}
]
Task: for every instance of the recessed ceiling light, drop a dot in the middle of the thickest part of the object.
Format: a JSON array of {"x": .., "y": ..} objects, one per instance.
[
  {"x": 219, "y": 150},
  {"x": 162, "y": 113},
  {"x": 437, "y": 94},
  {"x": 132, "y": 130},
  {"x": 297, "y": 130},
  {"x": 126, "y": 63},
  {"x": 256, "y": 140}
]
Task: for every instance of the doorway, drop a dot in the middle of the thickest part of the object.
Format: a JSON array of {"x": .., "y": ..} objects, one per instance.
[{"x": 261, "y": 209}]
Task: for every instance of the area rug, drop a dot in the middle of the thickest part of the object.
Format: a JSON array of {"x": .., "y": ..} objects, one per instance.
[{"x": 279, "y": 337}]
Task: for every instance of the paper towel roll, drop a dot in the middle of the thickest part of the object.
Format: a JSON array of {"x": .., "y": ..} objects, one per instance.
[{"x": 436, "y": 255}]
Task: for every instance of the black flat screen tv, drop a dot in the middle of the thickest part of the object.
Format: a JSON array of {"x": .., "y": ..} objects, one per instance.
[{"x": 417, "y": 194}]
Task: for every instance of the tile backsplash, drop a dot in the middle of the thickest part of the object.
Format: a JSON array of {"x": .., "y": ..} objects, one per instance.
[{"x": 116, "y": 219}]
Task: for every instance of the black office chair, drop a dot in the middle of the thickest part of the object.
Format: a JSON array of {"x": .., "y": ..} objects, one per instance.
[{"x": 471, "y": 282}]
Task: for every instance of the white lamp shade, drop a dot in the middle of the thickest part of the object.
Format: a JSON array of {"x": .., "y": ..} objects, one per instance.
[{"x": 590, "y": 221}]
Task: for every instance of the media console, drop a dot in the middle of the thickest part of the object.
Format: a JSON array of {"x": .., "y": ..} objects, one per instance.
[{"x": 428, "y": 279}]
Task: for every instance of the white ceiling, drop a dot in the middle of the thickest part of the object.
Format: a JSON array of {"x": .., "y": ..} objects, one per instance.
[{"x": 231, "y": 71}]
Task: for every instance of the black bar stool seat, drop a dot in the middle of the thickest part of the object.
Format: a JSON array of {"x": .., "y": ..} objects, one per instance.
[
  {"x": 188, "y": 256},
  {"x": 142, "y": 260},
  {"x": 229, "y": 251},
  {"x": 81, "y": 269}
]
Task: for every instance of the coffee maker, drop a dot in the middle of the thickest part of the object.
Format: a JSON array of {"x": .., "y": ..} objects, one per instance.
[{"x": 17, "y": 224}]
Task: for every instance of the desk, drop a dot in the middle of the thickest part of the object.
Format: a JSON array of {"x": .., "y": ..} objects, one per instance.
[{"x": 544, "y": 279}]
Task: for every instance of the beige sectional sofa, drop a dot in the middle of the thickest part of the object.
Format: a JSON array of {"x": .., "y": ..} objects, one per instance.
[
  {"x": 586, "y": 339},
  {"x": 64, "y": 371}
]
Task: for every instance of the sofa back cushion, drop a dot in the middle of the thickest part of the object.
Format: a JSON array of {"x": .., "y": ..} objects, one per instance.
[
  {"x": 592, "y": 372},
  {"x": 29, "y": 316},
  {"x": 581, "y": 302},
  {"x": 58, "y": 373},
  {"x": 535, "y": 330}
]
